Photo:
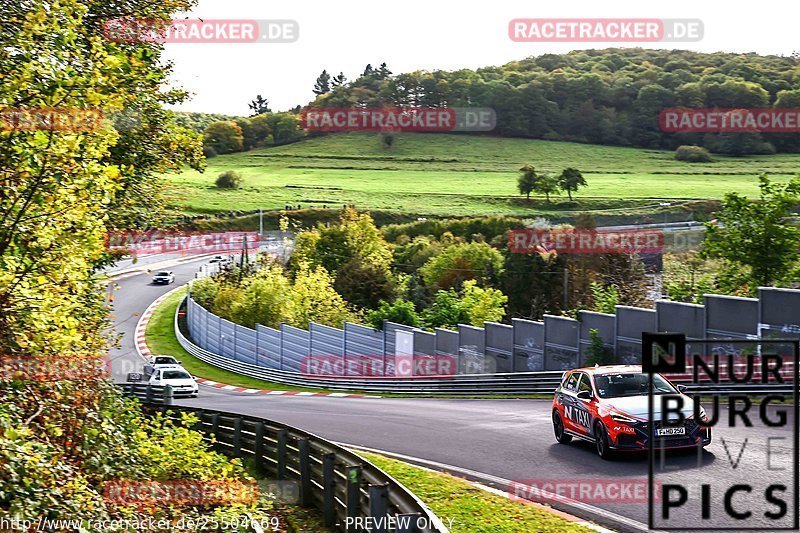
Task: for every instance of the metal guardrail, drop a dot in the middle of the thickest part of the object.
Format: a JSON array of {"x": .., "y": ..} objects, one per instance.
[
  {"x": 544, "y": 382},
  {"x": 464, "y": 384},
  {"x": 338, "y": 482},
  {"x": 159, "y": 394}
]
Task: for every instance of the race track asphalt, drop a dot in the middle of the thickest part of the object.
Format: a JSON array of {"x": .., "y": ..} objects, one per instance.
[{"x": 509, "y": 440}]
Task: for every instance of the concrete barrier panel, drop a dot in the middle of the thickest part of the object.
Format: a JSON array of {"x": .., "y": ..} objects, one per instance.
[
  {"x": 528, "y": 345},
  {"x": 730, "y": 317},
  {"x": 779, "y": 313},
  {"x": 499, "y": 346},
  {"x": 560, "y": 342},
  {"x": 678, "y": 317},
  {"x": 471, "y": 349},
  {"x": 604, "y": 323},
  {"x": 630, "y": 323}
]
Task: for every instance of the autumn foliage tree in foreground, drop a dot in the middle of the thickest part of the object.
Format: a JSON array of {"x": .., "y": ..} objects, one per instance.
[{"x": 64, "y": 430}]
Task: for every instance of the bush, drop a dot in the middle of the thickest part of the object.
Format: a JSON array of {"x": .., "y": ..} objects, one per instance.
[
  {"x": 692, "y": 154},
  {"x": 209, "y": 152},
  {"x": 229, "y": 179},
  {"x": 598, "y": 352},
  {"x": 224, "y": 136},
  {"x": 462, "y": 262},
  {"x": 399, "y": 312}
]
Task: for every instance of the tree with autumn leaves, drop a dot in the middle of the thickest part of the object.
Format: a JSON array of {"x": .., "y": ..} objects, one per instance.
[{"x": 62, "y": 437}]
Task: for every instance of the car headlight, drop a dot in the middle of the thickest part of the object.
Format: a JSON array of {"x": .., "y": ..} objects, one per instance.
[
  {"x": 619, "y": 417},
  {"x": 703, "y": 415}
]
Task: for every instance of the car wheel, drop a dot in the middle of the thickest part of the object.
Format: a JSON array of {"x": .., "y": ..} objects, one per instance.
[
  {"x": 558, "y": 429},
  {"x": 601, "y": 441}
]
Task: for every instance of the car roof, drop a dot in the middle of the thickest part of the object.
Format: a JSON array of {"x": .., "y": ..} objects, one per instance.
[{"x": 609, "y": 369}]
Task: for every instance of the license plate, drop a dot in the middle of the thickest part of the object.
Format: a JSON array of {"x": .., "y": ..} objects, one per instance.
[{"x": 665, "y": 432}]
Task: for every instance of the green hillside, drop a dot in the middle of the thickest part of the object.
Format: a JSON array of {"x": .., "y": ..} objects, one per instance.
[{"x": 440, "y": 174}]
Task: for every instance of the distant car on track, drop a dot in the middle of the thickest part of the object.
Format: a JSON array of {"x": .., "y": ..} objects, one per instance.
[
  {"x": 164, "y": 276},
  {"x": 183, "y": 384},
  {"x": 160, "y": 361},
  {"x": 608, "y": 405}
]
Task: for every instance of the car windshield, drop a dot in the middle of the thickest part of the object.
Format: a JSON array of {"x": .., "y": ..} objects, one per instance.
[
  {"x": 162, "y": 273},
  {"x": 165, "y": 361},
  {"x": 630, "y": 384},
  {"x": 176, "y": 374}
]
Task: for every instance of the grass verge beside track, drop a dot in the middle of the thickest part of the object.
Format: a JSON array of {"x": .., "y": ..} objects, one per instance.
[
  {"x": 160, "y": 338},
  {"x": 470, "y": 508}
]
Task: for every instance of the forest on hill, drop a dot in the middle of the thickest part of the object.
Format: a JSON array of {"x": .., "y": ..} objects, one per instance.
[{"x": 611, "y": 96}]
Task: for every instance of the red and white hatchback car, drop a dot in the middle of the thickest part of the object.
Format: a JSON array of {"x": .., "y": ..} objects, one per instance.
[{"x": 608, "y": 405}]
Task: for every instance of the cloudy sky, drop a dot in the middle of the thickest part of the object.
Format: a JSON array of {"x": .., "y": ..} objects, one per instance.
[{"x": 425, "y": 35}]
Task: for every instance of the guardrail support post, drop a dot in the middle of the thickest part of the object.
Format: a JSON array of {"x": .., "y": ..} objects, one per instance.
[
  {"x": 328, "y": 489},
  {"x": 169, "y": 395},
  {"x": 198, "y": 426},
  {"x": 283, "y": 437},
  {"x": 237, "y": 437},
  {"x": 353, "y": 496},
  {"x": 148, "y": 396},
  {"x": 378, "y": 504},
  {"x": 407, "y": 523},
  {"x": 304, "y": 449},
  {"x": 214, "y": 424},
  {"x": 259, "y": 448}
]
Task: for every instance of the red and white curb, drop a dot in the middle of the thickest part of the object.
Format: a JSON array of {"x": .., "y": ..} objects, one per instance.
[
  {"x": 144, "y": 352},
  {"x": 141, "y": 325}
]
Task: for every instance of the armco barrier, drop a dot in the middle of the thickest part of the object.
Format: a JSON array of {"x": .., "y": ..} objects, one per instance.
[
  {"x": 464, "y": 384},
  {"x": 461, "y": 384},
  {"x": 557, "y": 343},
  {"x": 325, "y": 475},
  {"x": 148, "y": 393}
]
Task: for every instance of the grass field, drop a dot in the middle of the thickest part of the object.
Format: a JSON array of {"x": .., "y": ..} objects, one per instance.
[{"x": 441, "y": 174}]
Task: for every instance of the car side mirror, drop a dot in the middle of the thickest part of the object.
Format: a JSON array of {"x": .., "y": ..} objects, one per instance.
[
  {"x": 585, "y": 395},
  {"x": 682, "y": 388}
]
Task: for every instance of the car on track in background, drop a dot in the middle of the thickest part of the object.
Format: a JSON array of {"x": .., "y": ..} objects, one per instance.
[
  {"x": 160, "y": 361},
  {"x": 183, "y": 384},
  {"x": 608, "y": 405},
  {"x": 164, "y": 276}
]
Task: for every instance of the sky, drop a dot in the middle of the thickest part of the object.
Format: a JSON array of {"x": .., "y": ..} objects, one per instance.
[{"x": 426, "y": 35}]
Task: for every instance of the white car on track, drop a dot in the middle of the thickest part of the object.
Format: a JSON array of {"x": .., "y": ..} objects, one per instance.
[
  {"x": 159, "y": 361},
  {"x": 183, "y": 384}
]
